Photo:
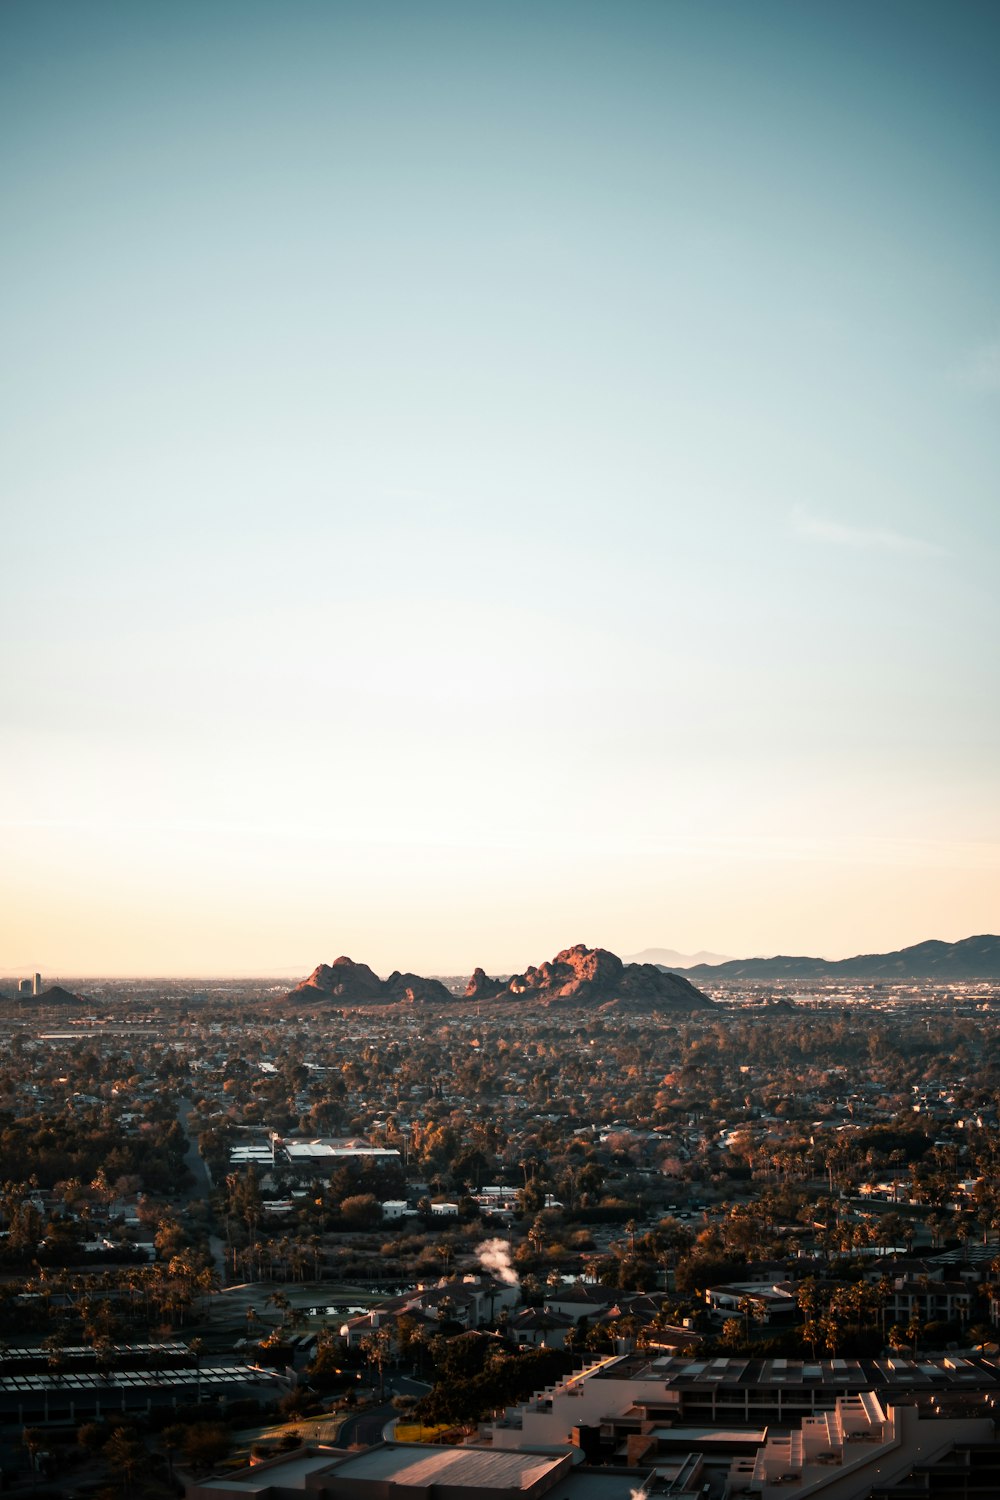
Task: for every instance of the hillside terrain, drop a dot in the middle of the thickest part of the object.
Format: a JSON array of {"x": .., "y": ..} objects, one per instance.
[
  {"x": 576, "y": 976},
  {"x": 54, "y": 995},
  {"x": 974, "y": 958},
  {"x": 346, "y": 983}
]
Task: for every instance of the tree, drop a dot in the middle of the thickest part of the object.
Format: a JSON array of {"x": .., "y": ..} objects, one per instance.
[
  {"x": 54, "y": 1345},
  {"x": 898, "y": 1338},
  {"x": 377, "y": 1349},
  {"x": 104, "y": 1355},
  {"x": 936, "y": 1224},
  {"x": 92, "y": 1436},
  {"x": 279, "y": 1300},
  {"x": 325, "y": 1370},
  {"x": 914, "y": 1328},
  {"x": 172, "y": 1438},
  {"x": 361, "y": 1211},
  {"x": 752, "y": 1307},
  {"x": 126, "y": 1456},
  {"x": 206, "y": 1444},
  {"x": 962, "y": 1225},
  {"x": 831, "y": 1328},
  {"x": 807, "y": 1301},
  {"x": 732, "y": 1333},
  {"x": 33, "y": 1439}
]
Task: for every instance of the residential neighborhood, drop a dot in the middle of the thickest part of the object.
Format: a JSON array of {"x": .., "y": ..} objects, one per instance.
[{"x": 219, "y": 1217}]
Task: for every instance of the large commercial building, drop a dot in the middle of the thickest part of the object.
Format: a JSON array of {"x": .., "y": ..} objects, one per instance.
[
  {"x": 619, "y": 1396},
  {"x": 128, "y": 1378}
]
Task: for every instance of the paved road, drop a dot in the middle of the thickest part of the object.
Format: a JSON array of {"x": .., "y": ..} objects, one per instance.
[
  {"x": 193, "y": 1159},
  {"x": 408, "y": 1385},
  {"x": 202, "y": 1188},
  {"x": 366, "y": 1427}
]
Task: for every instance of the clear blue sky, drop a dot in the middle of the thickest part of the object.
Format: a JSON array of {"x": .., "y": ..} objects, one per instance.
[{"x": 481, "y": 477}]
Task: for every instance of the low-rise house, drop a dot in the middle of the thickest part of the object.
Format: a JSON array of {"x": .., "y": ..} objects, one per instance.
[
  {"x": 398, "y": 1208},
  {"x": 535, "y": 1327},
  {"x": 932, "y": 1301},
  {"x": 473, "y": 1301},
  {"x": 779, "y": 1300}
]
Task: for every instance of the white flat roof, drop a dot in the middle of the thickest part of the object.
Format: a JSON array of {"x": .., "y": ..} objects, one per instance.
[
  {"x": 471, "y": 1467},
  {"x": 311, "y": 1149},
  {"x": 700, "y": 1437}
]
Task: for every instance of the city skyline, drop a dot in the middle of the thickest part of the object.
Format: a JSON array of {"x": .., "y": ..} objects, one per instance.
[{"x": 480, "y": 479}]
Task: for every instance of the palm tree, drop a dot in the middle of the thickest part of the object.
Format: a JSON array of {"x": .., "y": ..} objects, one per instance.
[
  {"x": 935, "y": 1223},
  {"x": 831, "y": 1329},
  {"x": 444, "y": 1251},
  {"x": 883, "y": 1291},
  {"x": 280, "y": 1302},
  {"x": 299, "y": 1256},
  {"x": 914, "y": 1328},
  {"x": 963, "y": 1230},
  {"x": 377, "y": 1348},
  {"x": 752, "y": 1307}
]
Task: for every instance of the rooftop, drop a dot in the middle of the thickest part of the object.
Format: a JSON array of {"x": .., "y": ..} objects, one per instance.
[
  {"x": 836, "y": 1374},
  {"x": 476, "y": 1468}
]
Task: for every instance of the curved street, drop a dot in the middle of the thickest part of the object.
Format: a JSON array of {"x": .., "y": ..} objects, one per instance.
[{"x": 365, "y": 1429}]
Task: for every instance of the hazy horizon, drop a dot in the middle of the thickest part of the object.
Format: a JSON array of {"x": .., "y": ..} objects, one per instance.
[
  {"x": 292, "y": 971},
  {"x": 477, "y": 476}
]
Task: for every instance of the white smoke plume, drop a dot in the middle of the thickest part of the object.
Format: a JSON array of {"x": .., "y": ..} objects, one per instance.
[
  {"x": 494, "y": 1255},
  {"x": 642, "y": 1491}
]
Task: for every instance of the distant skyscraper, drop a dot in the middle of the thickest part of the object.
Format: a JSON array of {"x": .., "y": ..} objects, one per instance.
[{"x": 36, "y": 985}]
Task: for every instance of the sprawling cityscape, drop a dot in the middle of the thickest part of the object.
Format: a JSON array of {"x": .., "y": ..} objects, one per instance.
[
  {"x": 499, "y": 750},
  {"x": 694, "y": 1241}
]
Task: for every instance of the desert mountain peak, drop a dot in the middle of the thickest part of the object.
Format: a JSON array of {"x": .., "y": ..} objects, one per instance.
[{"x": 576, "y": 976}]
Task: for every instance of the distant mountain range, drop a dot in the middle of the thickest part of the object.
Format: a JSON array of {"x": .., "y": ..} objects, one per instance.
[
  {"x": 578, "y": 976},
  {"x": 669, "y": 958},
  {"x": 974, "y": 958},
  {"x": 598, "y": 979}
]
